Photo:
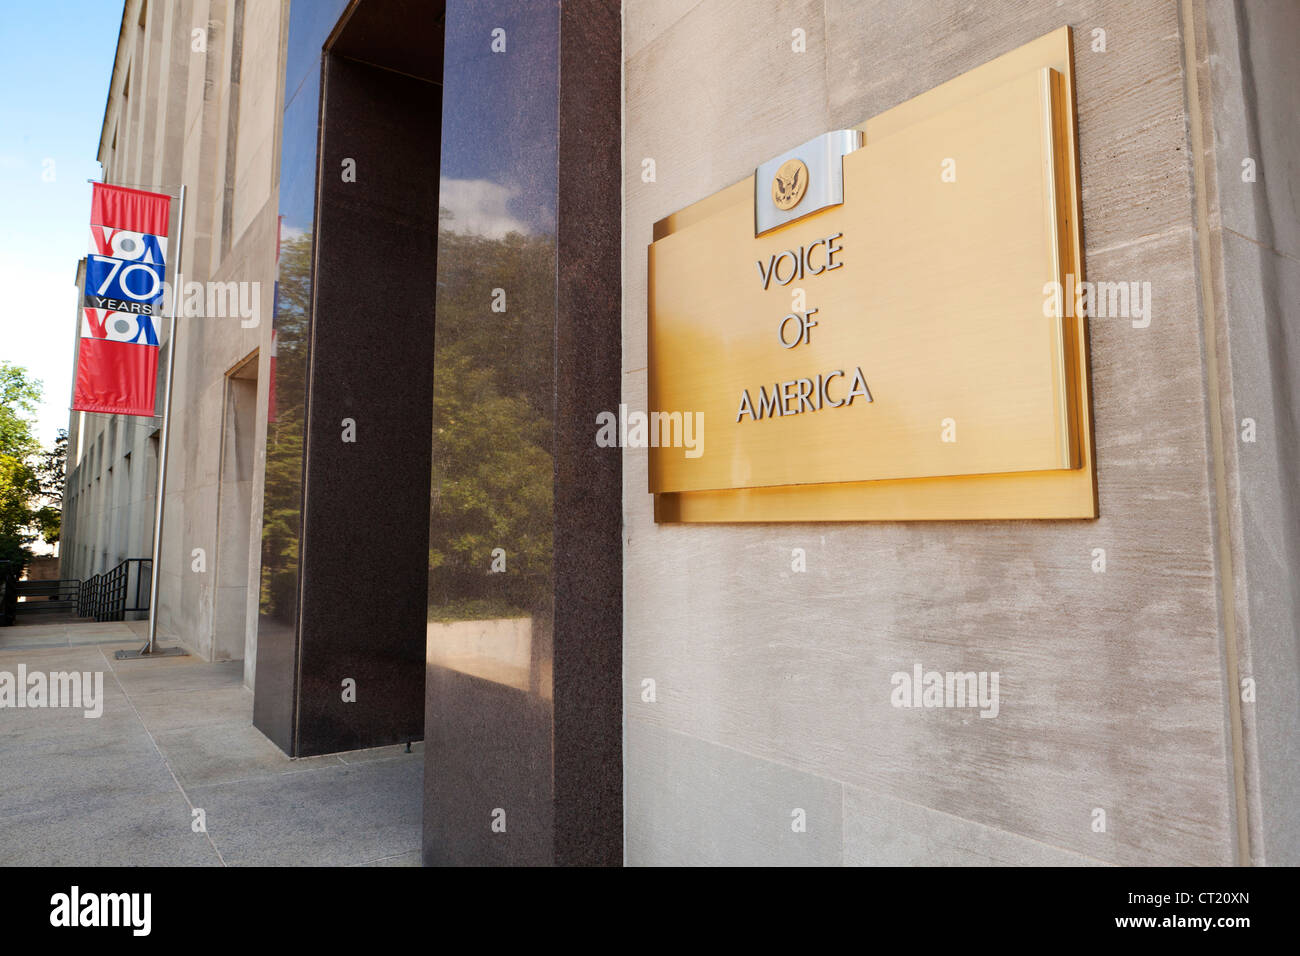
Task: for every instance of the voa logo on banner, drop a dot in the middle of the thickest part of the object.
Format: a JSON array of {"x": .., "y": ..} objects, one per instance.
[
  {"x": 125, "y": 271},
  {"x": 124, "y": 284}
]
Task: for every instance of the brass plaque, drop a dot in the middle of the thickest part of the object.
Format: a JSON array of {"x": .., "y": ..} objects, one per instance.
[{"x": 897, "y": 354}]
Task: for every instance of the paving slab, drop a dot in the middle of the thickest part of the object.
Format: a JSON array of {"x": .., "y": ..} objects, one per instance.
[
  {"x": 163, "y": 710},
  {"x": 52, "y": 656},
  {"x": 174, "y": 674},
  {"x": 19, "y": 724},
  {"x": 13, "y": 639},
  {"x": 108, "y": 790},
  {"x": 60, "y": 633},
  {"x": 228, "y": 751},
  {"x": 332, "y": 816},
  {"x": 85, "y": 770},
  {"x": 151, "y": 830}
]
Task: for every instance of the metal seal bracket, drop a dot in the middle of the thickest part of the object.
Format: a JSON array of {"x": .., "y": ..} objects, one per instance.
[{"x": 825, "y": 183}]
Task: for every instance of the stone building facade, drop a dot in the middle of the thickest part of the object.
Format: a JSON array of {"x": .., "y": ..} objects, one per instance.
[
  {"x": 405, "y": 491},
  {"x": 193, "y": 99}
]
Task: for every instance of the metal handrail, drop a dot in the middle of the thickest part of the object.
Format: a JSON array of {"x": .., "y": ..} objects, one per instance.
[
  {"x": 47, "y": 595},
  {"x": 104, "y": 596},
  {"x": 46, "y": 586}
]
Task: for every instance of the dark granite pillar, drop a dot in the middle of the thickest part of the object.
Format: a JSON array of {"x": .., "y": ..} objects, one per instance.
[
  {"x": 588, "y": 668},
  {"x": 364, "y": 546},
  {"x": 275, "y": 695},
  {"x": 354, "y": 344},
  {"x": 523, "y": 757}
]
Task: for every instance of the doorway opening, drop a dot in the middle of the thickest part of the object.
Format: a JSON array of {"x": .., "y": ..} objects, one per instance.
[{"x": 234, "y": 509}]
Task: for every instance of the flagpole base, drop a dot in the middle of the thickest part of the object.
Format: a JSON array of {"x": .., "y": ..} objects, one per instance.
[{"x": 144, "y": 653}]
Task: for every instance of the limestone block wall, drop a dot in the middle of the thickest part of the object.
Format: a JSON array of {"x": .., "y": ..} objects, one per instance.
[
  {"x": 228, "y": 159},
  {"x": 194, "y": 99},
  {"x": 773, "y": 685},
  {"x": 1247, "y": 84}
]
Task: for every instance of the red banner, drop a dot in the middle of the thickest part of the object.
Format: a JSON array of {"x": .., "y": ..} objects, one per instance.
[{"x": 117, "y": 360}]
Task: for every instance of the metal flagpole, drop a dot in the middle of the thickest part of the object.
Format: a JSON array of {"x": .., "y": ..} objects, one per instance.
[{"x": 151, "y": 649}]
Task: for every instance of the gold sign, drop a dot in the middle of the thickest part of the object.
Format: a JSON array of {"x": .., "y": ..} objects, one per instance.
[{"x": 896, "y": 351}]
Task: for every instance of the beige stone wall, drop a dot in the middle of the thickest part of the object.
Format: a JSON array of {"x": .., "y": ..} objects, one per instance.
[
  {"x": 773, "y": 687},
  {"x": 207, "y": 611},
  {"x": 1247, "y": 82},
  {"x": 200, "y": 110}
]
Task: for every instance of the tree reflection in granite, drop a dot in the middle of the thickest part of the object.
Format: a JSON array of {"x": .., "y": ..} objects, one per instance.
[
  {"x": 493, "y": 418},
  {"x": 492, "y": 502},
  {"x": 282, "y": 500}
]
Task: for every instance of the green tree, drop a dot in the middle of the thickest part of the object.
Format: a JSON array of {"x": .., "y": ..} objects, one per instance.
[
  {"x": 19, "y": 396},
  {"x": 50, "y": 470},
  {"x": 20, "y": 486}
]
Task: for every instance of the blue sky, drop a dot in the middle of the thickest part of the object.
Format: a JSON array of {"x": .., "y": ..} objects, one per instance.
[{"x": 58, "y": 56}]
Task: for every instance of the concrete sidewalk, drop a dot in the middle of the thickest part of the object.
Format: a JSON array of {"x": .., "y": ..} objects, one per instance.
[{"x": 176, "y": 735}]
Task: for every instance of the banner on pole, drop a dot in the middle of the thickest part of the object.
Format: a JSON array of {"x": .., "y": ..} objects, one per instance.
[{"x": 117, "y": 358}]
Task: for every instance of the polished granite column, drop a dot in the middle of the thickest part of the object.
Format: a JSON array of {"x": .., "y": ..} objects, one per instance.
[
  {"x": 275, "y": 688},
  {"x": 365, "y": 495},
  {"x": 523, "y": 731},
  {"x": 341, "y": 646}
]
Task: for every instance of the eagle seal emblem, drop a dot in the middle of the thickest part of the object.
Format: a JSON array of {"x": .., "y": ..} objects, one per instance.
[{"x": 789, "y": 184}]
